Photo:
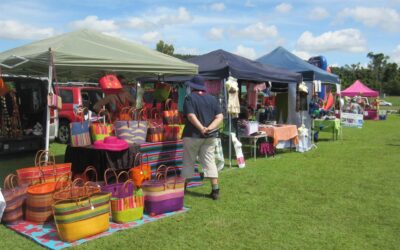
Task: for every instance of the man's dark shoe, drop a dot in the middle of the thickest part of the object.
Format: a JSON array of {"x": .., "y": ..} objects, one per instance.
[{"x": 214, "y": 194}]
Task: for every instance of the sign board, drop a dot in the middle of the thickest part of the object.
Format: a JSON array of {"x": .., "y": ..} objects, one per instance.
[{"x": 352, "y": 120}]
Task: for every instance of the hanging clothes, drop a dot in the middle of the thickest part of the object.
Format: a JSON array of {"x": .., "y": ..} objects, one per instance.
[
  {"x": 282, "y": 107},
  {"x": 181, "y": 97},
  {"x": 233, "y": 97},
  {"x": 213, "y": 87},
  {"x": 252, "y": 93}
]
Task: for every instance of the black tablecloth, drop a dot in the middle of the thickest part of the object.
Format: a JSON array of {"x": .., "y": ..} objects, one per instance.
[{"x": 81, "y": 157}]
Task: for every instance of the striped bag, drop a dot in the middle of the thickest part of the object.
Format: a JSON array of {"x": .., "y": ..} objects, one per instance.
[
  {"x": 127, "y": 205},
  {"x": 14, "y": 197},
  {"x": 100, "y": 130},
  {"x": 76, "y": 219},
  {"x": 45, "y": 170},
  {"x": 39, "y": 201},
  {"x": 163, "y": 194},
  {"x": 80, "y": 134},
  {"x": 132, "y": 131}
]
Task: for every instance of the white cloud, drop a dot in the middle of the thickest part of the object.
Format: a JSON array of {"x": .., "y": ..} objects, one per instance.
[
  {"x": 396, "y": 55},
  {"x": 349, "y": 40},
  {"x": 215, "y": 33},
  {"x": 139, "y": 23},
  {"x": 187, "y": 51},
  {"x": 217, "y": 6},
  {"x": 302, "y": 54},
  {"x": 250, "y": 4},
  {"x": 385, "y": 18},
  {"x": 15, "y": 30},
  {"x": 249, "y": 53},
  {"x": 151, "y": 37},
  {"x": 318, "y": 13},
  {"x": 171, "y": 17},
  {"x": 93, "y": 22},
  {"x": 284, "y": 7},
  {"x": 257, "y": 31}
]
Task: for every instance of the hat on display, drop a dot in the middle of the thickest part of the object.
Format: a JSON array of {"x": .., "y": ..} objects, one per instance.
[
  {"x": 111, "y": 143},
  {"x": 197, "y": 82}
]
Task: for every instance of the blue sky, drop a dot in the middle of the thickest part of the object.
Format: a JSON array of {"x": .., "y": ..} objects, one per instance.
[{"x": 343, "y": 31}]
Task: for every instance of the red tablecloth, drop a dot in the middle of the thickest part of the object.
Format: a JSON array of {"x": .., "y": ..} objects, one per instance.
[{"x": 281, "y": 133}]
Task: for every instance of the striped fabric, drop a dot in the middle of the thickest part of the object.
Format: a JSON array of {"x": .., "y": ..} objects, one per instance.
[
  {"x": 80, "y": 135},
  {"x": 131, "y": 131},
  {"x": 134, "y": 201},
  {"x": 169, "y": 153},
  {"x": 71, "y": 211},
  {"x": 33, "y": 175}
]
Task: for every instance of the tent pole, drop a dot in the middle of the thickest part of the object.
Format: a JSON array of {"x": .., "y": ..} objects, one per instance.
[
  {"x": 229, "y": 125},
  {"x": 49, "y": 80}
]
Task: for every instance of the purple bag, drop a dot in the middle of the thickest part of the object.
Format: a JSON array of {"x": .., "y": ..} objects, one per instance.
[
  {"x": 163, "y": 194},
  {"x": 115, "y": 188}
]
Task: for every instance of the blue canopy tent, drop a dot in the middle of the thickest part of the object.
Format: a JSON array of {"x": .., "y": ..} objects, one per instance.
[
  {"x": 282, "y": 58},
  {"x": 220, "y": 64}
]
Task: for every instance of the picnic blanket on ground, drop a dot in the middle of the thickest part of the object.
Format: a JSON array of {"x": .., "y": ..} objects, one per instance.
[{"x": 46, "y": 235}]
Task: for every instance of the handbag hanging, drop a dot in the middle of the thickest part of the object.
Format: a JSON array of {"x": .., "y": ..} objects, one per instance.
[
  {"x": 80, "y": 133},
  {"x": 155, "y": 130},
  {"x": 110, "y": 83},
  {"x": 127, "y": 205},
  {"x": 114, "y": 187},
  {"x": 54, "y": 101},
  {"x": 14, "y": 197},
  {"x": 163, "y": 194},
  {"x": 100, "y": 130},
  {"x": 171, "y": 116},
  {"x": 162, "y": 91}
]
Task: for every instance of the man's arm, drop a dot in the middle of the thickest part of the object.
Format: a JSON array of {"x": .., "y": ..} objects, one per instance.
[
  {"x": 193, "y": 120},
  {"x": 215, "y": 123}
]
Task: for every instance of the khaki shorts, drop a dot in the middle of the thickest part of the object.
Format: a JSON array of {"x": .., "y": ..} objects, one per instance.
[{"x": 204, "y": 149}]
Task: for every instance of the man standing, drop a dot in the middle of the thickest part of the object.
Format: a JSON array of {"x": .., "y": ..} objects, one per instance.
[{"x": 203, "y": 117}]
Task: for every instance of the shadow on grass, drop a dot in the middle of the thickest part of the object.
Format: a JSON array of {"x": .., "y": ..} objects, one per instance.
[
  {"x": 196, "y": 194},
  {"x": 395, "y": 145}
]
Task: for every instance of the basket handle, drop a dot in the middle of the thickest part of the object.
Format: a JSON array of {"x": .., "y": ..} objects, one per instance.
[
  {"x": 105, "y": 175},
  {"x": 175, "y": 176},
  {"x": 136, "y": 158},
  {"x": 122, "y": 173},
  {"x": 168, "y": 104},
  {"x": 88, "y": 169},
  {"x": 106, "y": 114},
  {"x": 125, "y": 186},
  {"x": 8, "y": 182}
]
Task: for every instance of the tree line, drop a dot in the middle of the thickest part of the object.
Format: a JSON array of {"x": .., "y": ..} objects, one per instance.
[{"x": 380, "y": 74}]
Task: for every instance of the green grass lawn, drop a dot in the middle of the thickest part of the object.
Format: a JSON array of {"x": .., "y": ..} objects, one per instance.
[{"x": 343, "y": 195}]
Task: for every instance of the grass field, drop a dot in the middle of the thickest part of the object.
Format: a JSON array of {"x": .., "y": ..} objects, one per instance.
[{"x": 343, "y": 195}]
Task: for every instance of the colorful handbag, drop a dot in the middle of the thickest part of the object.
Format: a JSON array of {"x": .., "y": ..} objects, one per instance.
[
  {"x": 80, "y": 134},
  {"x": 110, "y": 84},
  {"x": 39, "y": 201},
  {"x": 172, "y": 132},
  {"x": 126, "y": 205},
  {"x": 76, "y": 189},
  {"x": 45, "y": 170},
  {"x": 54, "y": 101},
  {"x": 140, "y": 172},
  {"x": 163, "y": 194},
  {"x": 155, "y": 130},
  {"x": 132, "y": 131},
  {"x": 101, "y": 130},
  {"x": 14, "y": 197},
  {"x": 114, "y": 187},
  {"x": 83, "y": 217},
  {"x": 171, "y": 116},
  {"x": 162, "y": 91}
]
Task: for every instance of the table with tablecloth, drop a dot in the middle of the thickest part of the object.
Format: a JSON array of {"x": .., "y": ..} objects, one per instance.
[
  {"x": 371, "y": 114},
  {"x": 328, "y": 125},
  {"x": 282, "y": 132},
  {"x": 101, "y": 159},
  {"x": 169, "y": 153}
]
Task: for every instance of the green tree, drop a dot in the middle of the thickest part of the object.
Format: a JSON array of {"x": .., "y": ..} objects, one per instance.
[
  {"x": 377, "y": 65},
  {"x": 165, "y": 48}
]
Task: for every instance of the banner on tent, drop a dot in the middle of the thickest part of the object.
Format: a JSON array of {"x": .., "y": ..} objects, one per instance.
[{"x": 352, "y": 120}]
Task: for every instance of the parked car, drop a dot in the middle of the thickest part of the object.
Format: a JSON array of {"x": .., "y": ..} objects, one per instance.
[
  {"x": 384, "y": 103},
  {"x": 74, "y": 95}
]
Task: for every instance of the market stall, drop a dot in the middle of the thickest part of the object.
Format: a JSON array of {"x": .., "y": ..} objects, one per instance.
[
  {"x": 365, "y": 98},
  {"x": 317, "y": 81}
]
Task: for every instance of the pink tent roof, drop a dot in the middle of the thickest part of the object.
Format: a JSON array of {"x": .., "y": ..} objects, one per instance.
[{"x": 358, "y": 88}]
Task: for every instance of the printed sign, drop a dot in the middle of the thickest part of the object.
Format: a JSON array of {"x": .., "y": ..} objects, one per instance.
[{"x": 352, "y": 120}]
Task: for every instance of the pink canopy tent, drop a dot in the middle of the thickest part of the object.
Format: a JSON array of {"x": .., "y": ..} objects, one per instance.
[{"x": 358, "y": 88}]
